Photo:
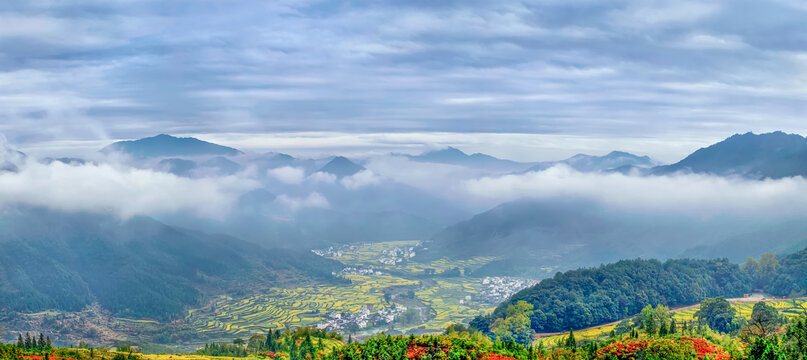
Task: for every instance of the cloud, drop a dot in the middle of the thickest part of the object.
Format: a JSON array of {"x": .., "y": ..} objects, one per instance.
[
  {"x": 313, "y": 200},
  {"x": 322, "y": 177},
  {"x": 685, "y": 195},
  {"x": 121, "y": 190},
  {"x": 360, "y": 179},
  {"x": 287, "y": 174},
  {"x": 708, "y": 41},
  {"x": 576, "y": 68}
]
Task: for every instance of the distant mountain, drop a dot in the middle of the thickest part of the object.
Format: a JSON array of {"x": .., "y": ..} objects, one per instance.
[
  {"x": 780, "y": 238},
  {"x": 64, "y": 160},
  {"x": 772, "y": 155},
  {"x": 176, "y": 166},
  {"x": 10, "y": 159},
  {"x": 454, "y": 156},
  {"x": 138, "y": 267},
  {"x": 341, "y": 167},
  {"x": 615, "y": 161},
  {"x": 221, "y": 165},
  {"x": 539, "y": 237},
  {"x": 166, "y": 145}
]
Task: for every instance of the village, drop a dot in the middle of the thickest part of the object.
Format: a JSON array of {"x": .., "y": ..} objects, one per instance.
[{"x": 339, "y": 321}]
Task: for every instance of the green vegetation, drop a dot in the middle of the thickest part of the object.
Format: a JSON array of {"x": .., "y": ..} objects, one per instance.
[
  {"x": 581, "y": 298},
  {"x": 587, "y": 297},
  {"x": 718, "y": 314}
]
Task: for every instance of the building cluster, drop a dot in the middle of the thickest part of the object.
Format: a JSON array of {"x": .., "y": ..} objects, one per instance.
[
  {"x": 397, "y": 255},
  {"x": 359, "y": 271},
  {"x": 336, "y": 321},
  {"x": 498, "y": 288},
  {"x": 336, "y": 251}
]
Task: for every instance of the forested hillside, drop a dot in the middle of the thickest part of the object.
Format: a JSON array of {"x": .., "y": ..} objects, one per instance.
[
  {"x": 581, "y": 298},
  {"x": 138, "y": 267}
]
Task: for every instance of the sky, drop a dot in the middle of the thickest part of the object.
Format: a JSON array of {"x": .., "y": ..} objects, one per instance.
[{"x": 528, "y": 80}]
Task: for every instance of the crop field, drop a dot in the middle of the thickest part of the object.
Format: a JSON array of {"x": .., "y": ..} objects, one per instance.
[
  {"x": 788, "y": 308},
  {"x": 277, "y": 308},
  {"x": 368, "y": 255},
  {"x": 296, "y": 307},
  {"x": 444, "y": 298}
]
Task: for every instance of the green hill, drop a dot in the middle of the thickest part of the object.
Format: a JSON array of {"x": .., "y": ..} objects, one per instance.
[{"x": 137, "y": 267}]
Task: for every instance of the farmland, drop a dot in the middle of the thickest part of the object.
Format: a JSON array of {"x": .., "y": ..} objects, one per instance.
[{"x": 381, "y": 277}]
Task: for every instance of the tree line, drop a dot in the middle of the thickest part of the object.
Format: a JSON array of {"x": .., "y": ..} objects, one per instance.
[{"x": 299, "y": 344}]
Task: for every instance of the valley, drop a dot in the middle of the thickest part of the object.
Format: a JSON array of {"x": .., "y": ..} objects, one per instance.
[{"x": 383, "y": 289}]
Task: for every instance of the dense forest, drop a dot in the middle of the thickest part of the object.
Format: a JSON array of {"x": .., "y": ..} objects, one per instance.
[
  {"x": 586, "y": 297},
  {"x": 785, "y": 276}
]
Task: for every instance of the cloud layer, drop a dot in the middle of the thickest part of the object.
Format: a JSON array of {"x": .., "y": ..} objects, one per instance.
[
  {"x": 681, "y": 194},
  {"x": 630, "y": 68},
  {"x": 120, "y": 190}
]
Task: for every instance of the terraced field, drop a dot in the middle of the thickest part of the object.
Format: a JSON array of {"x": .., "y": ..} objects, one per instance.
[
  {"x": 444, "y": 298},
  {"x": 274, "y": 308},
  {"x": 280, "y": 308}
]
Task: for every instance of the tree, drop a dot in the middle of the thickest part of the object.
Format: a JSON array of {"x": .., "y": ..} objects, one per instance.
[
  {"x": 652, "y": 318},
  {"x": 718, "y": 314},
  {"x": 571, "y": 343},
  {"x": 673, "y": 329},
  {"x": 20, "y": 342},
  {"x": 238, "y": 341},
  {"x": 763, "y": 323},
  {"x": 662, "y": 331},
  {"x": 765, "y": 349},
  {"x": 795, "y": 339},
  {"x": 516, "y": 323},
  {"x": 625, "y": 326}
]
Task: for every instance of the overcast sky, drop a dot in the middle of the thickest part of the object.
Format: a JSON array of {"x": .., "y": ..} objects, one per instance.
[{"x": 520, "y": 79}]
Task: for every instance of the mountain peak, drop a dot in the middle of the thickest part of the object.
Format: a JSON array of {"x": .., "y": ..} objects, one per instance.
[
  {"x": 341, "y": 167},
  {"x": 449, "y": 153},
  {"x": 167, "y": 145},
  {"x": 769, "y": 155}
]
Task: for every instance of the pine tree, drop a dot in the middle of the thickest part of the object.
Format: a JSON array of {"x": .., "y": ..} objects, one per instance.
[
  {"x": 673, "y": 330},
  {"x": 41, "y": 343},
  {"x": 28, "y": 343},
  {"x": 20, "y": 343},
  {"x": 571, "y": 343},
  {"x": 662, "y": 331}
]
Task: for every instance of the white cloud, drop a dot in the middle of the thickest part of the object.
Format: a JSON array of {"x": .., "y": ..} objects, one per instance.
[
  {"x": 360, "y": 179},
  {"x": 708, "y": 41},
  {"x": 700, "y": 195},
  {"x": 664, "y": 12},
  {"x": 313, "y": 200},
  {"x": 322, "y": 177},
  {"x": 121, "y": 190},
  {"x": 287, "y": 174}
]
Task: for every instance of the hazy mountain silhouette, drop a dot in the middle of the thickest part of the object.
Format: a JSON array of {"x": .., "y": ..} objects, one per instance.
[{"x": 167, "y": 145}]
